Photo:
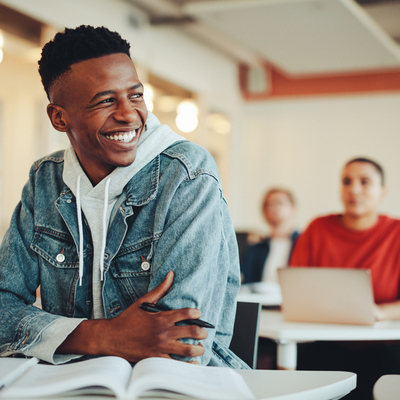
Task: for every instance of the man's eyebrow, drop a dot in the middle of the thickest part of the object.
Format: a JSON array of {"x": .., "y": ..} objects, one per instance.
[{"x": 107, "y": 92}]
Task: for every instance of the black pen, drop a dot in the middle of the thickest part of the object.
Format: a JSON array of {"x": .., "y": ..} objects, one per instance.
[{"x": 151, "y": 307}]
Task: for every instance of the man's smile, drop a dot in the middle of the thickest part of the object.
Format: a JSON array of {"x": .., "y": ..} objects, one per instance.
[{"x": 122, "y": 136}]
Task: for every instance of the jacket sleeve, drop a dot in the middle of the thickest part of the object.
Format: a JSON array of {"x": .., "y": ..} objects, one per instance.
[
  {"x": 23, "y": 326},
  {"x": 199, "y": 244}
]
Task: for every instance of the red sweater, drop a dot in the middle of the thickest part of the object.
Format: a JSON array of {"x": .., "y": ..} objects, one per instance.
[{"x": 327, "y": 243}]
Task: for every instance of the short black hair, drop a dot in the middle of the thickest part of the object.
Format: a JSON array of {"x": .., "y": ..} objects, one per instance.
[
  {"x": 377, "y": 166},
  {"x": 75, "y": 45}
]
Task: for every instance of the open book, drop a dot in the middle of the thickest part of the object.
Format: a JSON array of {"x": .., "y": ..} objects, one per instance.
[{"x": 158, "y": 377}]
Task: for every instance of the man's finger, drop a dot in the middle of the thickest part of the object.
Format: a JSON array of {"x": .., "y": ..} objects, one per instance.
[{"x": 160, "y": 291}]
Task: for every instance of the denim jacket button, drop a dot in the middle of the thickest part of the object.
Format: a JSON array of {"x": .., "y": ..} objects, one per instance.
[
  {"x": 145, "y": 265},
  {"x": 60, "y": 257}
]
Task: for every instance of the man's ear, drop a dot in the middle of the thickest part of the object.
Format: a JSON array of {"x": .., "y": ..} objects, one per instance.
[{"x": 58, "y": 117}]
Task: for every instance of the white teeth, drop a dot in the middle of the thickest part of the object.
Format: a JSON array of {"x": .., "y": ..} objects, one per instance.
[{"x": 122, "y": 136}]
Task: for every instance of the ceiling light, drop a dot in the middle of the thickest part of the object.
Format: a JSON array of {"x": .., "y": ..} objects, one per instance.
[
  {"x": 187, "y": 107},
  {"x": 1, "y": 55},
  {"x": 187, "y": 118},
  {"x": 186, "y": 122}
]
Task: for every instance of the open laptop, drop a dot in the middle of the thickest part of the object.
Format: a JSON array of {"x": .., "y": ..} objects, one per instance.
[{"x": 331, "y": 295}]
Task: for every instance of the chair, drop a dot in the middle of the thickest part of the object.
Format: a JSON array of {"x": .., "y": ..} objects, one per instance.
[
  {"x": 245, "y": 332},
  {"x": 387, "y": 387}
]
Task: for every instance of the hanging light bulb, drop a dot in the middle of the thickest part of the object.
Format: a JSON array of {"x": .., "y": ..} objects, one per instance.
[
  {"x": 1, "y": 55},
  {"x": 187, "y": 117}
]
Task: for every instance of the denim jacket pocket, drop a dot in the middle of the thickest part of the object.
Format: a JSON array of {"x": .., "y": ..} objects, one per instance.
[
  {"x": 131, "y": 271},
  {"x": 56, "y": 248},
  {"x": 58, "y": 264}
]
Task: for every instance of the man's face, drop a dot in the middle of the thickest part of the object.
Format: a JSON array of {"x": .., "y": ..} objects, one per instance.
[
  {"x": 104, "y": 113},
  {"x": 278, "y": 209},
  {"x": 362, "y": 189}
]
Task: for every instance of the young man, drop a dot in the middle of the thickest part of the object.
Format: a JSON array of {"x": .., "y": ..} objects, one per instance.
[
  {"x": 130, "y": 213},
  {"x": 358, "y": 238},
  {"x": 261, "y": 260}
]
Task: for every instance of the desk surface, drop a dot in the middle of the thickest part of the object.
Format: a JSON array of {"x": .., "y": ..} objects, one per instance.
[
  {"x": 299, "y": 385},
  {"x": 387, "y": 387},
  {"x": 284, "y": 385},
  {"x": 273, "y": 326},
  {"x": 267, "y": 294}
]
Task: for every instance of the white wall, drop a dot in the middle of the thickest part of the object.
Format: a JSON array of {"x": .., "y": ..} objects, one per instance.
[
  {"x": 303, "y": 143},
  {"x": 20, "y": 96}
]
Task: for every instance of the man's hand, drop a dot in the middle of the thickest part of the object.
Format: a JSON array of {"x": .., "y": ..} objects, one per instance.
[{"x": 136, "y": 334}]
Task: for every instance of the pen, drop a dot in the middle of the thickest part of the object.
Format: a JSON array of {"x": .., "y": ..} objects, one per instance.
[
  {"x": 151, "y": 307},
  {"x": 17, "y": 372}
]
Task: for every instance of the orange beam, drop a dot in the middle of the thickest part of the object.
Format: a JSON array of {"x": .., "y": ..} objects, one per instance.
[{"x": 284, "y": 86}]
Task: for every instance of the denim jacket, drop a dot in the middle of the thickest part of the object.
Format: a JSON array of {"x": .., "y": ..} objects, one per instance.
[{"x": 171, "y": 215}]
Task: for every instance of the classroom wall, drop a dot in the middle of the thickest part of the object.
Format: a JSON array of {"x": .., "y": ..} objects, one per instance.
[
  {"x": 302, "y": 143},
  {"x": 20, "y": 98}
]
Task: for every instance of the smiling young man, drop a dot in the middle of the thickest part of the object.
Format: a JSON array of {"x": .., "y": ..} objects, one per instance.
[{"x": 129, "y": 213}]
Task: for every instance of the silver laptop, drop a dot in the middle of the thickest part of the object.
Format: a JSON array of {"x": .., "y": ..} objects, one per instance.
[{"x": 331, "y": 295}]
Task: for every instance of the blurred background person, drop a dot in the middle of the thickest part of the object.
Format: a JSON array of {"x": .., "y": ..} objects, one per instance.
[
  {"x": 358, "y": 238},
  {"x": 260, "y": 261}
]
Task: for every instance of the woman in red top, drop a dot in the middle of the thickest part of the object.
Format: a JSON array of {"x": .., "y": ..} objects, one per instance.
[{"x": 358, "y": 238}]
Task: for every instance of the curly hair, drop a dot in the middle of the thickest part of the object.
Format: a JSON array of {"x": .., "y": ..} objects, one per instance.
[{"x": 75, "y": 45}]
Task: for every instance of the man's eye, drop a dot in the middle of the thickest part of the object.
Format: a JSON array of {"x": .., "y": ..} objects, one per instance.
[
  {"x": 346, "y": 182},
  {"x": 365, "y": 182},
  {"x": 106, "y": 101},
  {"x": 136, "y": 95}
]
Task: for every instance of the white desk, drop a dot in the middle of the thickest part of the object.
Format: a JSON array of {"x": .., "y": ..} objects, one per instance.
[
  {"x": 387, "y": 387},
  {"x": 265, "y": 293},
  {"x": 283, "y": 385},
  {"x": 299, "y": 385},
  {"x": 288, "y": 334}
]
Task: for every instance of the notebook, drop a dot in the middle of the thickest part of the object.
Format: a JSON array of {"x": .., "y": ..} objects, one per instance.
[{"x": 331, "y": 295}]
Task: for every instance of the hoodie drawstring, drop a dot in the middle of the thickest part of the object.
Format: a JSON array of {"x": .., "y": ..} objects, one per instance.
[
  {"x": 103, "y": 245},
  {"x": 80, "y": 228}
]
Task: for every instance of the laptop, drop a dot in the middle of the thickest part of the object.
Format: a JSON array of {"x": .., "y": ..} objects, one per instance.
[{"x": 330, "y": 295}]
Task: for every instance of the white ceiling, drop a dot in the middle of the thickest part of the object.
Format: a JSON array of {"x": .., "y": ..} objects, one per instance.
[{"x": 300, "y": 37}]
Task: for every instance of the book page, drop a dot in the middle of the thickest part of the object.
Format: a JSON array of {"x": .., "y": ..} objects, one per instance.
[
  {"x": 200, "y": 382},
  {"x": 112, "y": 373},
  {"x": 7, "y": 367}
]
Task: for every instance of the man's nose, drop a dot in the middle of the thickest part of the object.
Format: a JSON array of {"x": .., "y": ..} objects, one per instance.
[
  {"x": 125, "y": 112},
  {"x": 355, "y": 187}
]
